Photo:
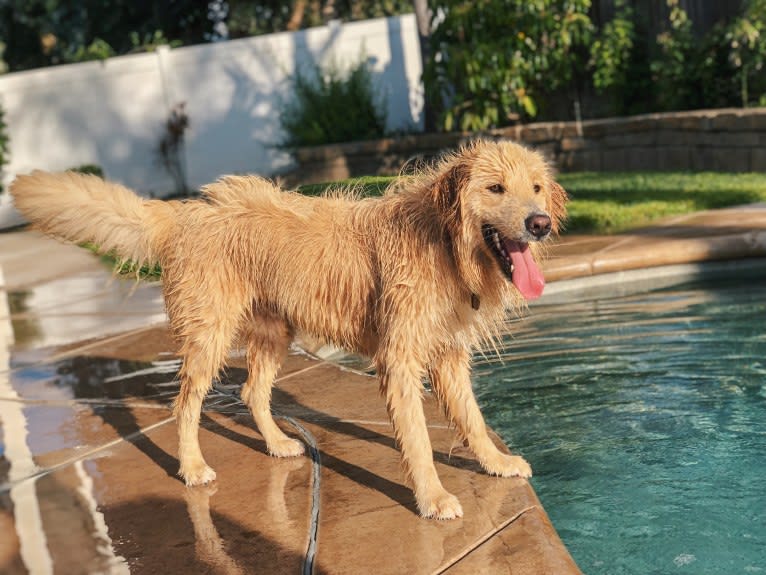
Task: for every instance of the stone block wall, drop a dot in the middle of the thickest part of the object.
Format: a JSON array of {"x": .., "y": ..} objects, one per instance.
[{"x": 724, "y": 140}]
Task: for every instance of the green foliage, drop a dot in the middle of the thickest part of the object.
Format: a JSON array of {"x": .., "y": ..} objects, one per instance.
[
  {"x": 746, "y": 42},
  {"x": 247, "y": 18},
  {"x": 130, "y": 269},
  {"x": 365, "y": 186},
  {"x": 124, "y": 267},
  {"x": 4, "y": 145},
  {"x": 92, "y": 169},
  {"x": 611, "y": 52},
  {"x": 671, "y": 68},
  {"x": 328, "y": 106},
  {"x": 150, "y": 41},
  {"x": 497, "y": 59},
  {"x": 44, "y": 32},
  {"x": 96, "y": 50},
  {"x": 723, "y": 68}
]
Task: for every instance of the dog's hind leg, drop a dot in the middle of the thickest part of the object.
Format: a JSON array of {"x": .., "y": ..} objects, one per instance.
[
  {"x": 450, "y": 378},
  {"x": 205, "y": 338},
  {"x": 196, "y": 376},
  {"x": 267, "y": 339},
  {"x": 401, "y": 383}
]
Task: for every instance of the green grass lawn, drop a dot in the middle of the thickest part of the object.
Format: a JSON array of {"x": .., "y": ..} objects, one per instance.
[{"x": 607, "y": 203}]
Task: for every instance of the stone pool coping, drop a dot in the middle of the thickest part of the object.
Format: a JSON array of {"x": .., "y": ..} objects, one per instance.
[{"x": 109, "y": 463}]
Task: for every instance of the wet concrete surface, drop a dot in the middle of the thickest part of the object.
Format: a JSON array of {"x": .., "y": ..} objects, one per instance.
[
  {"x": 88, "y": 442},
  {"x": 96, "y": 468}
]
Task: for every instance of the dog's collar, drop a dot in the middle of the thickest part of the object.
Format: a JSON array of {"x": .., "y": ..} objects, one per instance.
[{"x": 475, "y": 301}]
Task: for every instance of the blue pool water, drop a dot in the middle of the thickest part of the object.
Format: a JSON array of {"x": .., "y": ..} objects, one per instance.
[{"x": 644, "y": 419}]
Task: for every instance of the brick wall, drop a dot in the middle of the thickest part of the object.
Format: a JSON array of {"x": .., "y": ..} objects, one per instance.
[{"x": 726, "y": 140}]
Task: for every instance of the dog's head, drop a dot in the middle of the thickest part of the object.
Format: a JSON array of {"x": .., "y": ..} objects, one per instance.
[{"x": 499, "y": 201}]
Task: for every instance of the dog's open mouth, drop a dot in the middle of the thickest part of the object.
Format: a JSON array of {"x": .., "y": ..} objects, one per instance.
[{"x": 515, "y": 259}]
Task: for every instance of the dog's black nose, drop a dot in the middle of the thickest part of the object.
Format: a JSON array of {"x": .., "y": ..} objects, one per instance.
[{"x": 539, "y": 225}]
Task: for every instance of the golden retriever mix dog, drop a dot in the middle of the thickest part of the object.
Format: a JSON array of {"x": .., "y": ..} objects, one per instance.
[{"x": 415, "y": 279}]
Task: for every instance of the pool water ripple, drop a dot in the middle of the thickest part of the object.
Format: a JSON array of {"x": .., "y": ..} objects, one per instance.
[{"x": 644, "y": 419}]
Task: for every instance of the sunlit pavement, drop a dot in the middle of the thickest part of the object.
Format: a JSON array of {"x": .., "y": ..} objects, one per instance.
[{"x": 88, "y": 442}]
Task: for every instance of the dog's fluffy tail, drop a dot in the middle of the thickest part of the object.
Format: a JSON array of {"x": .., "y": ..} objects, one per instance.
[{"x": 83, "y": 208}]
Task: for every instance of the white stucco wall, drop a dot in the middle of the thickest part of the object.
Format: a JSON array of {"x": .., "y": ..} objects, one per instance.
[{"x": 111, "y": 113}]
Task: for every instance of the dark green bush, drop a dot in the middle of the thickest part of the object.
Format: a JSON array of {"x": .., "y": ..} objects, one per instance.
[{"x": 329, "y": 106}]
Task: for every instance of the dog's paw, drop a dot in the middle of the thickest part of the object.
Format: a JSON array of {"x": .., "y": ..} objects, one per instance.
[
  {"x": 286, "y": 447},
  {"x": 197, "y": 475},
  {"x": 508, "y": 466},
  {"x": 444, "y": 506}
]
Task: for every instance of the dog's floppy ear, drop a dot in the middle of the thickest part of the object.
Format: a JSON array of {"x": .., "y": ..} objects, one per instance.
[
  {"x": 558, "y": 210},
  {"x": 446, "y": 195}
]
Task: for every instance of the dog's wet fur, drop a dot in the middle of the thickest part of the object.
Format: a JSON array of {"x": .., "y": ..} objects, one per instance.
[{"x": 416, "y": 279}]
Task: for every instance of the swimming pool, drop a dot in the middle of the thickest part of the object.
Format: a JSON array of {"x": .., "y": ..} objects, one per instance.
[{"x": 644, "y": 419}]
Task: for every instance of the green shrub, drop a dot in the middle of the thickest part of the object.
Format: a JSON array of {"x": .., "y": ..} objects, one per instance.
[{"x": 330, "y": 106}]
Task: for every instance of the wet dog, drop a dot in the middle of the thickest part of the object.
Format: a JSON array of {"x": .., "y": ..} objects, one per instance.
[{"x": 415, "y": 279}]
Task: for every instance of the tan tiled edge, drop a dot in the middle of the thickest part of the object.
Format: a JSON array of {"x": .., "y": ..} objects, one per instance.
[{"x": 704, "y": 236}]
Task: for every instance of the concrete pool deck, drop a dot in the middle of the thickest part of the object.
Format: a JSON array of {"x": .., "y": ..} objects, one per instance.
[{"x": 88, "y": 442}]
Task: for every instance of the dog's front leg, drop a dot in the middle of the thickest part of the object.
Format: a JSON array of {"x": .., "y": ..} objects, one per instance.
[
  {"x": 402, "y": 385},
  {"x": 451, "y": 380}
]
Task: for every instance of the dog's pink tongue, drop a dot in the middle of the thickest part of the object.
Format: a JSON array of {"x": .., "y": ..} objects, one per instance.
[{"x": 526, "y": 275}]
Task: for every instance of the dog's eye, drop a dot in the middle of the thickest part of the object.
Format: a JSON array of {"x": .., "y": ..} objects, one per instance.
[
  {"x": 496, "y": 189},
  {"x": 536, "y": 188}
]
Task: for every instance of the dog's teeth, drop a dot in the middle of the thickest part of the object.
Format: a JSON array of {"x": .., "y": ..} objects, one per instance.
[{"x": 511, "y": 268}]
